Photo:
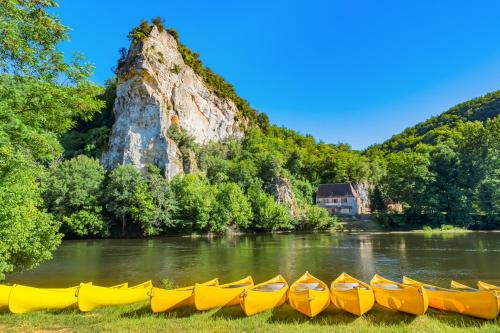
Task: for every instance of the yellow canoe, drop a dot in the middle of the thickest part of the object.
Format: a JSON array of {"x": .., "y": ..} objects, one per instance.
[
  {"x": 4, "y": 296},
  {"x": 487, "y": 286},
  {"x": 23, "y": 299},
  {"x": 92, "y": 297},
  {"x": 264, "y": 296},
  {"x": 400, "y": 297},
  {"x": 480, "y": 304},
  {"x": 457, "y": 285},
  {"x": 352, "y": 295},
  {"x": 164, "y": 300},
  {"x": 309, "y": 295},
  {"x": 209, "y": 297}
]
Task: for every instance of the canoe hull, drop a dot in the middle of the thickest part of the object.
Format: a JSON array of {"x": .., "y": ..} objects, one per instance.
[
  {"x": 253, "y": 301},
  {"x": 357, "y": 301},
  {"x": 4, "y": 297},
  {"x": 92, "y": 297},
  {"x": 210, "y": 297},
  {"x": 24, "y": 299},
  {"x": 479, "y": 304},
  {"x": 410, "y": 299},
  {"x": 168, "y": 299},
  {"x": 164, "y": 300},
  {"x": 309, "y": 302},
  {"x": 490, "y": 287}
]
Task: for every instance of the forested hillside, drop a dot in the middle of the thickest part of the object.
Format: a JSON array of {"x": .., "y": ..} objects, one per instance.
[
  {"x": 478, "y": 109},
  {"x": 444, "y": 170}
]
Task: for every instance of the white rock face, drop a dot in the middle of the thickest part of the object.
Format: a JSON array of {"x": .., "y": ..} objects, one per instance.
[{"x": 155, "y": 90}]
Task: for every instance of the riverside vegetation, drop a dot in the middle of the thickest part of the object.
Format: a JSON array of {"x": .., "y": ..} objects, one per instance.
[{"x": 54, "y": 125}]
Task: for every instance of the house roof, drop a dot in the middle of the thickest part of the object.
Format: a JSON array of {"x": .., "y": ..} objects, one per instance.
[{"x": 336, "y": 190}]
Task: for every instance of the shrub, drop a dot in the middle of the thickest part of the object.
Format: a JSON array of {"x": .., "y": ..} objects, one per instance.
[
  {"x": 140, "y": 33},
  {"x": 318, "y": 218},
  {"x": 159, "y": 23},
  {"x": 73, "y": 193}
]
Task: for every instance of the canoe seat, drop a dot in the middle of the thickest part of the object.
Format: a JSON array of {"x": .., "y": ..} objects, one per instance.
[
  {"x": 309, "y": 286},
  {"x": 270, "y": 287},
  {"x": 387, "y": 286},
  {"x": 344, "y": 286},
  {"x": 240, "y": 285}
]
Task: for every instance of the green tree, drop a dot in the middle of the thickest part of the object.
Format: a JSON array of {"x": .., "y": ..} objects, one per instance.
[
  {"x": 231, "y": 208},
  {"x": 28, "y": 235},
  {"x": 30, "y": 36},
  {"x": 163, "y": 209},
  {"x": 489, "y": 190},
  {"x": 267, "y": 214},
  {"x": 73, "y": 193},
  {"x": 128, "y": 198},
  {"x": 41, "y": 96},
  {"x": 195, "y": 199},
  {"x": 318, "y": 218},
  {"x": 407, "y": 178}
]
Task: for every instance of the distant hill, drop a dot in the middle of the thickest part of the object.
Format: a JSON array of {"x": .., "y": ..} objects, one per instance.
[{"x": 478, "y": 109}]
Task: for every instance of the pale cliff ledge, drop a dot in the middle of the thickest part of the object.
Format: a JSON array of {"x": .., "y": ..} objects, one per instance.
[{"x": 155, "y": 90}]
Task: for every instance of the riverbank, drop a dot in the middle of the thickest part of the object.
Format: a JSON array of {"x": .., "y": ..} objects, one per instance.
[{"x": 138, "y": 318}]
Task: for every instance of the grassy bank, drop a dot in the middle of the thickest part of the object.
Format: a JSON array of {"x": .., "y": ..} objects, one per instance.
[
  {"x": 443, "y": 230},
  {"x": 138, "y": 318}
]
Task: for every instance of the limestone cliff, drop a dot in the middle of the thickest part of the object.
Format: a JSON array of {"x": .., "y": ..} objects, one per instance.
[{"x": 156, "y": 90}]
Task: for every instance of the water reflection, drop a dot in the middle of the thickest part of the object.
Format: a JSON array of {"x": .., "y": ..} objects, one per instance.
[{"x": 434, "y": 258}]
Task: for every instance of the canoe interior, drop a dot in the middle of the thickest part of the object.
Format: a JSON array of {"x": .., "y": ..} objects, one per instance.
[{"x": 270, "y": 287}]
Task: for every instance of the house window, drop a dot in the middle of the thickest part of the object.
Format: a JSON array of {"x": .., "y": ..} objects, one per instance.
[
  {"x": 334, "y": 200},
  {"x": 344, "y": 200}
]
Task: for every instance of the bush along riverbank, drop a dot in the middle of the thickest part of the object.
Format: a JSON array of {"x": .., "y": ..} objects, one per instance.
[{"x": 138, "y": 318}]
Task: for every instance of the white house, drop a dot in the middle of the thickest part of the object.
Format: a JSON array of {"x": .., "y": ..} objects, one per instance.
[{"x": 339, "y": 198}]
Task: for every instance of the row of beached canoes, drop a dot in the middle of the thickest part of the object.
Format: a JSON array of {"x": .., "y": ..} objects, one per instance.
[{"x": 307, "y": 295}]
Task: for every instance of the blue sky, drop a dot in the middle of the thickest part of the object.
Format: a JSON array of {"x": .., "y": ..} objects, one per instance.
[{"x": 345, "y": 71}]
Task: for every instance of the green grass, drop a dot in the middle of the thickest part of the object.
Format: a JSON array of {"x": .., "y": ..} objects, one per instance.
[
  {"x": 138, "y": 318},
  {"x": 443, "y": 229}
]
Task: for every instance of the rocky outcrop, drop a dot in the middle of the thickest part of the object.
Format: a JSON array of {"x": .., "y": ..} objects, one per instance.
[
  {"x": 363, "y": 191},
  {"x": 282, "y": 191},
  {"x": 155, "y": 90}
]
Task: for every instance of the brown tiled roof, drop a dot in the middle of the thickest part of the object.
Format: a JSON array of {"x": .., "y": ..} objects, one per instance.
[{"x": 336, "y": 190}]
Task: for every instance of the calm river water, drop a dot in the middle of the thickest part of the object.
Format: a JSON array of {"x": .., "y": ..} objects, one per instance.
[{"x": 432, "y": 258}]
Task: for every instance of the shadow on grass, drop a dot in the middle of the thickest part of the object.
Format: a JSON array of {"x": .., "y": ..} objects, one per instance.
[
  {"x": 181, "y": 313},
  {"x": 230, "y": 312},
  {"x": 458, "y": 320},
  {"x": 334, "y": 316},
  {"x": 141, "y": 312},
  {"x": 380, "y": 315}
]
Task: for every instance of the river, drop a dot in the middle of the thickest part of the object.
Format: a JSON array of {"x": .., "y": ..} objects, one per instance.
[{"x": 435, "y": 258}]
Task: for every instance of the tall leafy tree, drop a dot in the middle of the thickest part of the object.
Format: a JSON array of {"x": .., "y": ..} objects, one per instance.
[
  {"x": 407, "y": 178},
  {"x": 28, "y": 235},
  {"x": 126, "y": 195},
  {"x": 231, "y": 208},
  {"x": 73, "y": 193},
  {"x": 267, "y": 214},
  {"x": 195, "y": 198},
  {"x": 41, "y": 95}
]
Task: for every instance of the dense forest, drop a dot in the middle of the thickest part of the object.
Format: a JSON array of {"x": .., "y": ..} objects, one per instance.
[
  {"x": 55, "y": 123},
  {"x": 445, "y": 170}
]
